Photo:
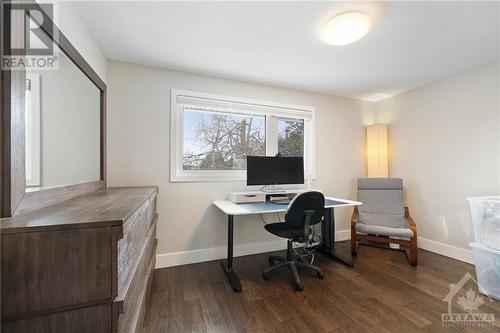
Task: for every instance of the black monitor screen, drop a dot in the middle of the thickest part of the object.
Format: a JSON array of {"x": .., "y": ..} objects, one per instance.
[{"x": 265, "y": 170}]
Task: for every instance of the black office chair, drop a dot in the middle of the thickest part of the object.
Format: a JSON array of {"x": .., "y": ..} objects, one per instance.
[{"x": 305, "y": 210}]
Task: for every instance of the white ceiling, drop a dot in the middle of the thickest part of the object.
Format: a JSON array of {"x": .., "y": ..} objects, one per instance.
[{"x": 277, "y": 43}]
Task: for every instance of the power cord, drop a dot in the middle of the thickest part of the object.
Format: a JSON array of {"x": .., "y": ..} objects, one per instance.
[
  {"x": 308, "y": 250},
  {"x": 278, "y": 217}
]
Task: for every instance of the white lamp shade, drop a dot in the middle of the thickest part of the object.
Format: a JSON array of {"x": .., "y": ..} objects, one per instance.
[{"x": 377, "y": 151}]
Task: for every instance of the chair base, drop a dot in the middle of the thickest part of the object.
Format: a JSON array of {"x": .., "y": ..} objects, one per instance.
[
  {"x": 408, "y": 247},
  {"x": 411, "y": 251},
  {"x": 292, "y": 262}
]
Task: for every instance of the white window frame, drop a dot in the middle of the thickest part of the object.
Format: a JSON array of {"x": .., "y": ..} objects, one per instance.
[
  {"x": 32, "y": 116},
  {"x": 272, "y": 111}
]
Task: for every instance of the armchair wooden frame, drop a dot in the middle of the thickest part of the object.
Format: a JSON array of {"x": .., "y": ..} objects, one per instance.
[{"x": 411, "y": 251}]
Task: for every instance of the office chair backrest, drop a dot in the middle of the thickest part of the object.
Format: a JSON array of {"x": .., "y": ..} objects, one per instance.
[
  {"x": 312, "y": 200},
  {"x": 383, "y": 202}
]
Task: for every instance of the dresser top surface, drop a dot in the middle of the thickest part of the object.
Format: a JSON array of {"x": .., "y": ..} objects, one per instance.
[{"x": 106, "y": 207}]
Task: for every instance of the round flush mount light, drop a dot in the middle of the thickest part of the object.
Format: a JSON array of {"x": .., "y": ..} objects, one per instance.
[{"x": 345, "y": 28}]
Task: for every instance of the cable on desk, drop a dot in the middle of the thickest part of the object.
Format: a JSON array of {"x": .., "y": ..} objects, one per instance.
[
  {"x": 262, "y": 219},
  {"x": 279, "y": 217}
]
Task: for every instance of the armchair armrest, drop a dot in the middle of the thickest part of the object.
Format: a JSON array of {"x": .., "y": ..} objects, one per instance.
[
  {"x": 354, "y": 220},
  {"x": 411, "y": 223},
  {"x": 355, "y": 216}
]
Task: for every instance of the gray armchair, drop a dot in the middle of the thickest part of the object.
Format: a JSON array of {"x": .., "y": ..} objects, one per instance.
[{"x": 382, "y": 216}]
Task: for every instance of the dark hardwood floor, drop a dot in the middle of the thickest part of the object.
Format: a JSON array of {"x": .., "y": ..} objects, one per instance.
[{"x": 382, "y": 293}]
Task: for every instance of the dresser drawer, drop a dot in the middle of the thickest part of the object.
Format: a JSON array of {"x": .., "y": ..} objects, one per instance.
[
  {"x": 129, "y": 247},
  {"x": 74, "y": 266},
  {"x": 54, "y": 269},
  {"x": 93, "y": 319},
  {"x": 131, "y": 301}
]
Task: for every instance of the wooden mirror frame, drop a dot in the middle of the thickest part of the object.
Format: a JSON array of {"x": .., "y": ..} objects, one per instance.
[{"x": 13, "y": 195}]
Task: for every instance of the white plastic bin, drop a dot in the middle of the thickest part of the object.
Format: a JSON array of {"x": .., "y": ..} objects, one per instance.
[
  {"x": 487, "y": 261},
  {"x": 486, "y": 220}
]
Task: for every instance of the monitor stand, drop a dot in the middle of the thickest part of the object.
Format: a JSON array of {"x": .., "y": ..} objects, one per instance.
[{"x": 271, "y": 189}]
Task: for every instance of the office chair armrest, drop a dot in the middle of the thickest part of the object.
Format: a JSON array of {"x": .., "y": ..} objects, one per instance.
[{"x": 355, "y": 216}]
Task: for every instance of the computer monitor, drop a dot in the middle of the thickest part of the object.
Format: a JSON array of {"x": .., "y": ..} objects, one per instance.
[{"x": 266, "y": 170}]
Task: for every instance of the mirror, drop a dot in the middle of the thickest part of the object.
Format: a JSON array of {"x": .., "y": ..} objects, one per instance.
[{"x": 63, "y": 124}]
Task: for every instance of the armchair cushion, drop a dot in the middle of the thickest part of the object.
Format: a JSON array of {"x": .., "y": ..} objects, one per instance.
[
  {"x": 384, "y": 231},
  {"x": 380, "y": 184},
  {"x": 383, "y": 203}
]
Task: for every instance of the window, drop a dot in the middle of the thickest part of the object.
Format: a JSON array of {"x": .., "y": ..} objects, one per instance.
[
  {"x": 211, "y": 136},
  {"x": 221, "y": 141}
]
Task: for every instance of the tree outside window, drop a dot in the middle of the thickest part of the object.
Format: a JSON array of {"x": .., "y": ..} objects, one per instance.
[
  {"x": 290, "y": 137},
  {"x": 221, "y": 141}
]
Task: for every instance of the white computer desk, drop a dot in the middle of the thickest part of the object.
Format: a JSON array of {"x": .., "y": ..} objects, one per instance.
[{"x": 327, "y": 228}]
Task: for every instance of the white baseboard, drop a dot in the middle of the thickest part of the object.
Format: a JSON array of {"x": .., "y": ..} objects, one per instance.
[
  {"x": 446, "y": 250},
  {"x": 215, "y": 253},
  {"x": 342, "y": 235}
]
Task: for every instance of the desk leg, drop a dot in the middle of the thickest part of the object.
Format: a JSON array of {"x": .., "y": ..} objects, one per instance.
[
  {"x": 233, "y": 279},
  {"x": 328, "y": 238}
]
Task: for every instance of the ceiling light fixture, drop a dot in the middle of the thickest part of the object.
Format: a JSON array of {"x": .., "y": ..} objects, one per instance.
[{"x": 345, "y": 28}]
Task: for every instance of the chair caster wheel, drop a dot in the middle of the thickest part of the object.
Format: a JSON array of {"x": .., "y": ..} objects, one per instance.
[
  {"x": 299, "y": 287},
  {"x": 265, "y": 276},
  {"x": 272, "y": 261},
  {"x": 321, "y": 275}
]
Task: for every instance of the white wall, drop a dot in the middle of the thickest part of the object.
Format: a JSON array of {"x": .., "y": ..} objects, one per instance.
[
  {"x": 139, "y": 141},
  {"x": 78, "y": 34},
  {"x": 445, "y": 144}
]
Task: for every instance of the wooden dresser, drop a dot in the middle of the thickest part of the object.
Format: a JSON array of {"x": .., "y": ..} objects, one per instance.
[{"x": 82, "y": 265}]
